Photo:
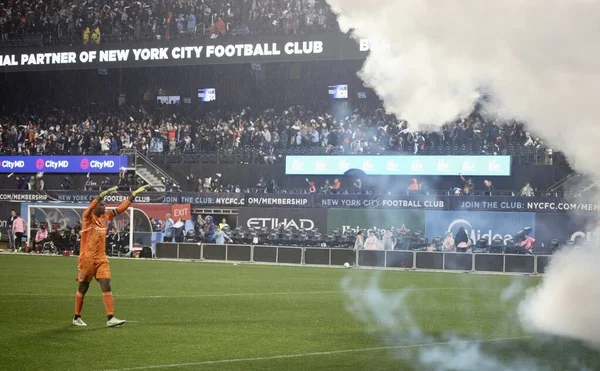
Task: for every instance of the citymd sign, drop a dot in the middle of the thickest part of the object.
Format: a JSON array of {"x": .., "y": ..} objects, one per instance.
[
  {"x": 399, "y": 165},
  {"x": 62, "y": 164}
]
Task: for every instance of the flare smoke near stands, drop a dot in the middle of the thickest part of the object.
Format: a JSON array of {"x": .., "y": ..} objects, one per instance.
[{"x": 431, "y": 62}]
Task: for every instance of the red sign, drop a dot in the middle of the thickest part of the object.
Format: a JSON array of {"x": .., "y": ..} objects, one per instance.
[{"x": 158, "y": 211}]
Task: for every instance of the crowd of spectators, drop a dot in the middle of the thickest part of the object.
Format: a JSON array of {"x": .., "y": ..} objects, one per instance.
[
  {"x": 273, "y": 133},
  {"x": 101, "y": 21}
]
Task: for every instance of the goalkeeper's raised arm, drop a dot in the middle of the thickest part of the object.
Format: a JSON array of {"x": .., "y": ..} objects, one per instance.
[{"x": 138, "y": 191}]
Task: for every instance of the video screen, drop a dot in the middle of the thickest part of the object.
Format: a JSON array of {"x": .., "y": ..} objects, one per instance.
[
  {"x": 168, "y": 99},
  {"x": 207, "y": 95},
  {"x": 338, "y": 91}
]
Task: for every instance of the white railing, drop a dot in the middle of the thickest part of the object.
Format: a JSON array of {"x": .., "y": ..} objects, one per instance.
[{"x": 399, "y": 259}]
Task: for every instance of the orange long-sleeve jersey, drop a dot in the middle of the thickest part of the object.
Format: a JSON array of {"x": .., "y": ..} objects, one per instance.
[{"x": 94, "y": 228}]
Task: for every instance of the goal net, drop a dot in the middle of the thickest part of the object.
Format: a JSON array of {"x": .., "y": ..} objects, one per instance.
[{"x": 128, "y": 232}]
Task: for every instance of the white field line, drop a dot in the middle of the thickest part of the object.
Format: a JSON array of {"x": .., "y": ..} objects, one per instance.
[
  {"x": 35, "y": 296},
  {"x": 314, "y": 354}
]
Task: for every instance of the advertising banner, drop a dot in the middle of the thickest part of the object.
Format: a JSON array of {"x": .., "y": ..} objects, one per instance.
[
  {"x": 381, "y": 202},
  {"x": 240, "y": 49},
  {"x": 528, "y": 204},
  {"x": 279, "y": 200},
  {"x": 488, "y": 225},
  {"x": 342, "y": 201},
  {"x": 202, "y": 199},
  {"x": 567, "y": 227},
  {"x": 357, "y": 219},
  {"x": 62, "y": 164},
  {"x": 308, "y": 219},
  {"x": 399, "y": 165}
]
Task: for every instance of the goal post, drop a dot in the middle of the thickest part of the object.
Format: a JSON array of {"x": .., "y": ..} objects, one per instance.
[{"x": 133, "y": 225}]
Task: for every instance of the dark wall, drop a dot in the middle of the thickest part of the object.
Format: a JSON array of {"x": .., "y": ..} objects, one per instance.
[
  {"x": 246, "y": 176},
  {"x": 540, "y": 177}
]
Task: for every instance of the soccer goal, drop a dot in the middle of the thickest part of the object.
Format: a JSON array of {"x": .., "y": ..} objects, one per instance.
[{"x": 128, "y": 232}]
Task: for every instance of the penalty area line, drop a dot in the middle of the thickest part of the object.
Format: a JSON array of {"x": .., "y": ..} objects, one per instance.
[{"x": 314, "y": 354}]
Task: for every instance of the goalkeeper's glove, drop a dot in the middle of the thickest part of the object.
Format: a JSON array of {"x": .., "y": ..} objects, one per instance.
[
  {"x": 140, "y": 190},
  {"x": 108, "y": 191}
]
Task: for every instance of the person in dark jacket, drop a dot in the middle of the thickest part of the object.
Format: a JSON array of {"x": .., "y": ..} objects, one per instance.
[
  {"x": 461, "y": 240},
  {"x": 179, "y": 230},
  {"x": 199, "y": 227},
  {"x": 11, "y": 235}
]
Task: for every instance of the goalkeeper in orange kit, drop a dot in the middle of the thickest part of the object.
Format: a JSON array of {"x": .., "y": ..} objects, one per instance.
[{"x": 93, "y": 262}]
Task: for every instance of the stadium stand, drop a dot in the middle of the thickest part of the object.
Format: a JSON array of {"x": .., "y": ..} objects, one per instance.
[
  {"x": 109, "y": 21},
  {"x": 263, "y": 136}
]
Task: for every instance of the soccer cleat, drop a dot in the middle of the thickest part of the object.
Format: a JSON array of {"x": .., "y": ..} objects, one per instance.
[
  {"x": 114, "y": 322},
  {"x": 79, "y": 322}
]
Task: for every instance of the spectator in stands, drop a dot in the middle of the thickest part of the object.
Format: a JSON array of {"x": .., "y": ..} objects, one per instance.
[
  {"x": 261, "y": 185},
  {"x": 414, "y": 185},
  {"x": 358, "y": 186},
  {"x": 9, "y": 229},
  {"x": 272, "y": 187},
  {"x": 220, "y": 236},
  {"x": 388, "y": 240},
  {"x": 40, "y": 237},
  {"x": 199, "y": 227},
  {"x": 107, "y": 183},
  {"x": 326, "y": 188},
  {"x": 179, "y": 231},
  {"x": 168, "y": 228},
  {"x": 448, "y": 244},
  {"x": 336, "y": 186},
  {"x": 526, "y": 244},
  {"x": 77, "y": 228},
  {"x": 312, "y": 189},
  {"x": 19, "y": 227},
  {"x": 359, "y": 244},
  {"x": 223, "y": 224},
  {"x": 209, "y": 229},
  {"x": 461, "y": 240},
  {"x": 66, "y": 183},
  {"x": 527, "y": 191},
  {"x": 488, "y": 186},
  {"x": 36, "y": 183},
  {"x": 372, "y": 243},
  {"x": 21, "y": 182},
  {"x": 468, "y": 186},
  {"x": 208, "y": 133}
]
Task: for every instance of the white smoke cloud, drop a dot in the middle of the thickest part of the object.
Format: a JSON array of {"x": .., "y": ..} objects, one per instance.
[
  {"x": 537, "y": 58},
  {"x": 566, "y": 303},
  {"x": 388, "y": 315}
]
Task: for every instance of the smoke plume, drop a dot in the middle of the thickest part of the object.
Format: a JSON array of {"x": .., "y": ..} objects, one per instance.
[
  {"x": 431, "y": 61},
  {"x": 567, "y": 301}
]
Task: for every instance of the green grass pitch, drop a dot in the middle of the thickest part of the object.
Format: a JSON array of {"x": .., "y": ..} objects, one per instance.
[{"x": 207, "y": 316}]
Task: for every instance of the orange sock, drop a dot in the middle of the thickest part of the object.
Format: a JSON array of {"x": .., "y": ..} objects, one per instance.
[
  {"x": 109, "y": 303},
  {"x": 78, "y": 303}
]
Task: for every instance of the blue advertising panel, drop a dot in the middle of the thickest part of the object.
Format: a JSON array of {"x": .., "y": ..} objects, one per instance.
[
  {"x": 62, "y": 164},
  {"x": 488, "y": 225},
  {"x": 577, "y": 227},
  {"x": 399, "y": 165}
]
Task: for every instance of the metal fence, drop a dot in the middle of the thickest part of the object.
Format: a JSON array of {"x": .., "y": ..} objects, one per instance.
[{"x": 401, "y": 259}]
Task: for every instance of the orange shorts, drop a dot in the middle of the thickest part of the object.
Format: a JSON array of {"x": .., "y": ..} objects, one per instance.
[{"x": 90, "y": 268}]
